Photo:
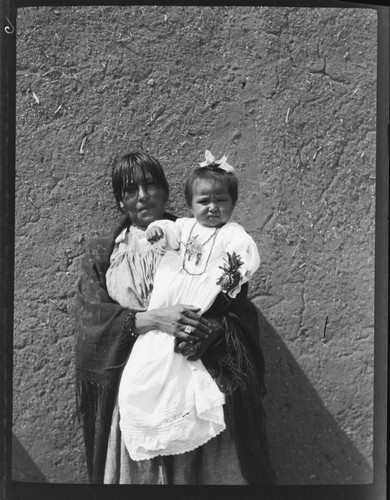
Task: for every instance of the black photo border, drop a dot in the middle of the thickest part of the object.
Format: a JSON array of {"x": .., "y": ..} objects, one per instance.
[{"x": 22, "y": 491}]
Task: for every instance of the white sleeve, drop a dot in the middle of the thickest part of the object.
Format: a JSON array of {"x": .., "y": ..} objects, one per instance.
[
  {"x": 172, "y": 231},
  {"x": 238, "y": 241}
]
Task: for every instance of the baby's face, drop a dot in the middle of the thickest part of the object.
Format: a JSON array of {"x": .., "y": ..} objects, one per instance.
[{"x": 212, "y": 204}]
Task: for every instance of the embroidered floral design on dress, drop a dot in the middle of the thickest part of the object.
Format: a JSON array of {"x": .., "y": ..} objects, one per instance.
[{"x": 231, "y": 275}]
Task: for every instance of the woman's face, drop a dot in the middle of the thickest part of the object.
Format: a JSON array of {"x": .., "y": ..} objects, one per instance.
[{"x": 144, "y": 203}]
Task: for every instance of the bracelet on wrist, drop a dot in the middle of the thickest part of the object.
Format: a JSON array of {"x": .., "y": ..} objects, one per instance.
[{"x": 128, "y": 326}]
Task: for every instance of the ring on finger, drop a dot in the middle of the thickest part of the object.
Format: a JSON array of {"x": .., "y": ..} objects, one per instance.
[{"x": 189, "y": 329}]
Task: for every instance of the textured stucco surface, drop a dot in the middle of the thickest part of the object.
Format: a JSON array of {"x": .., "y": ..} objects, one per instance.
[{"x": 290, "y": 95}]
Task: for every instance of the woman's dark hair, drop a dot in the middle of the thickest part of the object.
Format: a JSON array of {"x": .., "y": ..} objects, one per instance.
[
  {"x": 211, "y": 172},
  {"x": 136, "y": 168}
]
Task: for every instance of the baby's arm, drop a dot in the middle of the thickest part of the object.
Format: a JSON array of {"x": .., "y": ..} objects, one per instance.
[
  {"x": 154, "y": 234},
  {"x": 164, "y": 228}
]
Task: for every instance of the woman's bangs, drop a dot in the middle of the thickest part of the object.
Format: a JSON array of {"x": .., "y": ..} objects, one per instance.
[{"x": 133, "y": 175}]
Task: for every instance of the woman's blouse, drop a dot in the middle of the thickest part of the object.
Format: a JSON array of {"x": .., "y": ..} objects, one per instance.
[{"x": 133, "y": 265}]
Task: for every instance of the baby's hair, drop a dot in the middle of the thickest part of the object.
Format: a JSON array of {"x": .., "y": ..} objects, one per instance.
[
  {"x": 135, "y": 168},
  {"x": 211, "y": 172}
]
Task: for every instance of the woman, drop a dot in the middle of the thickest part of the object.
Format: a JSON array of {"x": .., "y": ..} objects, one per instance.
[{"x": 227, "y": 341}]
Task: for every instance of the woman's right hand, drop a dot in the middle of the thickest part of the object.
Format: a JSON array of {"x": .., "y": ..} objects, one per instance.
[
  {"x": 195, "y": 350},
  {"x": 180, "y": 320}
]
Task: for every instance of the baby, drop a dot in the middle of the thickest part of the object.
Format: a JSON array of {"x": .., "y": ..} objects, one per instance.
[{"x": 169, "y": 404}]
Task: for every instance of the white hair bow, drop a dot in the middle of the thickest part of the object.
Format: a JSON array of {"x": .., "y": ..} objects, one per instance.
[{"x": 221, "y": 163}]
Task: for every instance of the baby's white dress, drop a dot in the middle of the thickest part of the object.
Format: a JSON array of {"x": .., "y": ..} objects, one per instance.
[{"x": 169, "y": 405}]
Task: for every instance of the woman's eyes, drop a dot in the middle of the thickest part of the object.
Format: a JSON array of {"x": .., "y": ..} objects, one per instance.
[{"x": 132, "y": 189}]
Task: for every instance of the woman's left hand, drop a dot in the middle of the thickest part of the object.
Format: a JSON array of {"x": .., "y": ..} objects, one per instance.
[{"x": 195, "y": 350}]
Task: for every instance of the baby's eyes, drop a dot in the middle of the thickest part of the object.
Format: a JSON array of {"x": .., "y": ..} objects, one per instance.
[{"x": 219, "y": 200}]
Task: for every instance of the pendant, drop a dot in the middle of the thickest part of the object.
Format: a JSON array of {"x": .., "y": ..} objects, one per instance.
[{"x": 194, "y": 249}]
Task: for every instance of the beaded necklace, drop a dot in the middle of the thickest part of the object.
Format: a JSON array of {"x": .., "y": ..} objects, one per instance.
[{"x": 194, "y": 249}]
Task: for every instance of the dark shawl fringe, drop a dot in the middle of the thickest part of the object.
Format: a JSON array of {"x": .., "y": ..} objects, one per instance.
[
  {"x": 95, "y": 395},
  {"x": 247, "y": 414},
  {"x": 241, "y": 377}
]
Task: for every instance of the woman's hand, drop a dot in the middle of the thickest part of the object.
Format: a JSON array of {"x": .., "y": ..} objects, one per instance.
[
  {"x": 181, "y": 321},
  {"x": 195, "y": 350}
]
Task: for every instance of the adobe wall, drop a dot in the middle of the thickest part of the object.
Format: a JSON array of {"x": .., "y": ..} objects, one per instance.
[{"x": 289, "y": 94}]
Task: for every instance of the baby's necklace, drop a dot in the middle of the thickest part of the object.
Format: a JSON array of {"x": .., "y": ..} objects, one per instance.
[{"x": 194, "y": 249}]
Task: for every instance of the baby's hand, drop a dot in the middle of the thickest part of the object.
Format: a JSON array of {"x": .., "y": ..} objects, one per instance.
[{"x": 154, "y": 234}]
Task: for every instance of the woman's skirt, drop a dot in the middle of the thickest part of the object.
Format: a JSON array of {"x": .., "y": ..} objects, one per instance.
[{"x": 214, "y": 463}]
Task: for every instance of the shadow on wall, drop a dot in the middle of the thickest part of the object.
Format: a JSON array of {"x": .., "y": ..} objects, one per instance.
[
  {"x": 23, "y": 467},
  {"x": 307, "y": 445}
]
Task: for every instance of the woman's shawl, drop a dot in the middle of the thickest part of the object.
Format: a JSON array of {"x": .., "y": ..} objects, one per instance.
[
  {"x": 237, "y": 364},
  {"x": 101, "y": 351},
  {"x": 103, "y": 347}
]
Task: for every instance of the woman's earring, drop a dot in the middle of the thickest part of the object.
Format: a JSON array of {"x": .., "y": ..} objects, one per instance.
[{"x": 121, "y": 204}]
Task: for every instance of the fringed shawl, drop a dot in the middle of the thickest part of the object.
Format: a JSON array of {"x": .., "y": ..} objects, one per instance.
[
  {"x": 102, "y": 349},
  {"x": 240, "y": 363}
]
